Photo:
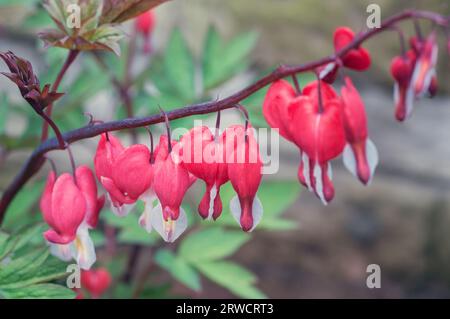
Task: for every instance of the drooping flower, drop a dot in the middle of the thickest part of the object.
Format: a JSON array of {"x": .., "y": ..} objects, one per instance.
[
  {"x": 402, "y": 68},
  {"x": 360, "y": 153},
  {"x": 203, "y": 155},
  {"x": 126, "y": 173},
  {"x": 170, "y": 184},
  {"x": 145, "y": 23},
  {"x": 96, "y": 281},
  {"x": 132, "y": 175},
  {"x": 319, "y": 133},
  {"x": 71, "y": 207},
  {"x": 414, "y": 74},
  {"x": 357, "y": 59},
  {"x": 425, "y": 66},
  {"x": 275, "y": 107},
  {"x": 276, "y": 112},
  {"x": 244, "y": 171}
]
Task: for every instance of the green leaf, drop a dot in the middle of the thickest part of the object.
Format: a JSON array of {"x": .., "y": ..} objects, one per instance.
[
  {"x": 51, "y": 269},
  {"x": 231, "y": 276},
  {"x": 18, "y": 268},
  {"x": 178, "y": 268},
  {"x": 40, "y": 291},
  {"x": 16, "y": 215},
  {"x": 211, "y": 244},
  {"x": 222, "y": 61},
  {"x": 179, "y": 65},
  {"x": 20, "y": 239}
]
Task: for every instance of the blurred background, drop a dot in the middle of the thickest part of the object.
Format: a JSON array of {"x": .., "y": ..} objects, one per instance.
[{"x": 400, "y": 222}]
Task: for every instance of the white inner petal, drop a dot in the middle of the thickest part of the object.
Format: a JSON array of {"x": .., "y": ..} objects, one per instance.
[
  {"x": 257, "y": 210},
  {"x": 409, "y": 100},
  {"x": 306, "y": 173},
  {"x": 235, "y": 208},
  {"x": 120, "y": 211},
  {"x": 169, "y": 230},
  {"x": 83, "y": 249},
  {"x": 62, "y": 252},
  {"x": 350, "y": 160},
  {"x": 212, "y": 197},
  {"x": 396, "y": 93},
  {"x": 372, "y": 158},
  {"x": 149, "y": 199},
  {"x": 319, "y": 183}
]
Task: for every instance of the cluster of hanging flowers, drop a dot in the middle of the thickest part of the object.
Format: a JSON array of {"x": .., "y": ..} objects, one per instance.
[
  {"x": 323, "y": 123},
  {"x": 159, "y": 178}
]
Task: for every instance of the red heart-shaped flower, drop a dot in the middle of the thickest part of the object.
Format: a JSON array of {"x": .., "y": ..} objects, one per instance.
[{"x": 356, "y": 59}]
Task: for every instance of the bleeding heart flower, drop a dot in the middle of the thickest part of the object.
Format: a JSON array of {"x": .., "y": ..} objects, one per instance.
[
  {"x": 244, "y": 171},
  {"x": 171, "y": 182},
  {"x": 360, "y": 153},
  {"x": 402, "y": 68},
  {"x": 64, "y": 207},
  {"x": 415, "y": 74},
  {"x": 319, "y": 133},
  {"x": 203, "y": 155},
  {"x": 70, "y": 207},
  {"x": 145, "y": 23},
  {"x": 357, "y": 59},
  {"x": 96, "y": 281},
  {"x": 126, "y": 174},
  {"x": 275, "y": 107},
  {"x": 425, "y": 67},
  {"x": 108, "y": 149}
]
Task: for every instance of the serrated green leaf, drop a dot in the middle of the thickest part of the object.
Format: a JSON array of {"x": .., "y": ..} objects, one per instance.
[
  {"x": 231, "y": 276},
  {"x": 178, "y": 268},
  {"x": 51, "y": 269},
  {"x": 20, "y": 239},
  {"x": 179, "y": 65},
  {"x": 13, "y": 271},
  {"x": 40, "y": 291},
  {"x": 211, "y": 244}
]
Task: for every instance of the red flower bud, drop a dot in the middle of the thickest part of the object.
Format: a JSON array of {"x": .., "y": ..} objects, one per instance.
[
  {"x": 357, "y": 59},
  {"x": 96, "y": 281},
  {"x": 145, "y": 23}
]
